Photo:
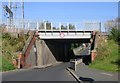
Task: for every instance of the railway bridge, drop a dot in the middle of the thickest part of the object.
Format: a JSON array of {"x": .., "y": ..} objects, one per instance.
[{"x": 48, "y": 44}]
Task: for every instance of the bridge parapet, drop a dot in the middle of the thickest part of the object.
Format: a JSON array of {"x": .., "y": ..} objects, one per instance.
[
  {"x": 75, "y": 26},
  {"x": 65, "y": 31},
  {"x": 53, "y": 26}
]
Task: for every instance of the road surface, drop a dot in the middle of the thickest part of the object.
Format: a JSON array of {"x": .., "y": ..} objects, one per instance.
[{"x": 54, "y": 73}]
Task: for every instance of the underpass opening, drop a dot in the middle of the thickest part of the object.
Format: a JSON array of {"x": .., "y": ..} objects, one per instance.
[{"x": 61, "y": 48}]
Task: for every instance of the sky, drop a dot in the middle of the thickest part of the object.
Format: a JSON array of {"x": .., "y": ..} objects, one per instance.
[{"x": 70, "y": 11}]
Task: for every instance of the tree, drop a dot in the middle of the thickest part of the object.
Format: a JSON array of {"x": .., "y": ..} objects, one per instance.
[
  {"x": 71, "y": 26},
  {"x": 113, "y": 30},
  {"x": 109, "y": 25},
  {"x": 63, "y": 27},
  {"x": 48, "y": 25},
  {"x": 115, "y": 34},
  {"x": 112, "y": 24}
]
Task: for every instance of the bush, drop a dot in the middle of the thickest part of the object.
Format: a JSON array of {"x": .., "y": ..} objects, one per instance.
[
  {"x": 10, "y": 45},
  {"x": 6, "y": 36},
  {"x": 13, "y": 41},
  {"x": 107, "y": 57},
  {"x": 102, "y": 52},
  {"x": 114, "y": 34},
  {"x": 19, "y": 46},
  {"x": 6, "y": 65}
]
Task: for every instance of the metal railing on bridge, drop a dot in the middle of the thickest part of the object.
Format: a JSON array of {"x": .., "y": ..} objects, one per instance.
[{"x": 52, "y": 26}]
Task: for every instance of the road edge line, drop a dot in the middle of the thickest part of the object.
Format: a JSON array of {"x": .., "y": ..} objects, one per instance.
[{"x": 74, "y": 75}]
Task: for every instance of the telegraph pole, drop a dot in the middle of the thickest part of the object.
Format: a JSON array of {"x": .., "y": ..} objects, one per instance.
[
  {"x": 100, "y": 26},
  {"x": 10, "y": 18},
  {"x": 23, "y": 14}
]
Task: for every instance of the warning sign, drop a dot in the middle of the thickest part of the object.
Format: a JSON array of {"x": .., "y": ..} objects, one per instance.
[{"x": 62, "y": 35}]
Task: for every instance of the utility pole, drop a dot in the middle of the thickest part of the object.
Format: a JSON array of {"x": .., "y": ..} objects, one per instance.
[
  {"x": 11, "y": 14},
  {"x": 10, "y": 17},
  {"x": 100, "y": 26},
  {"x": 23, "y": 14}
]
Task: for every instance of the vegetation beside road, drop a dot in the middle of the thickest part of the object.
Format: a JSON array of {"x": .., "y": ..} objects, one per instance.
[
  {"x": 107, "y": 53},
  {"x": 107, "y": 57},
  {"x": 10, "y": 46}
]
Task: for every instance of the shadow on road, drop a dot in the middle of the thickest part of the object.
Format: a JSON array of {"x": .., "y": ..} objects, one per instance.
[
  {"x": 117, "y": 62},
  {"x": 86, "y": 80},
  {"x": 87, "y": 59}
]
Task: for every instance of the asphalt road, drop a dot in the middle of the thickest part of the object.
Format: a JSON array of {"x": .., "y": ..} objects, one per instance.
[{"x": 54, "y": 73}]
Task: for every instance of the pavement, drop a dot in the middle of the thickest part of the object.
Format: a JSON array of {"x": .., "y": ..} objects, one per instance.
[
  {"x": 54, "y": 73},
  {"x": 86, "y": 74}
]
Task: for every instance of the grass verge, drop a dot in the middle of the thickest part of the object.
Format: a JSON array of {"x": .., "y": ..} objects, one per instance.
[{"x": 107, "y": 59}]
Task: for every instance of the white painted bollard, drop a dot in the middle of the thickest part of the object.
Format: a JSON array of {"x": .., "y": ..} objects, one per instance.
[{"x": 73, "y": 64}]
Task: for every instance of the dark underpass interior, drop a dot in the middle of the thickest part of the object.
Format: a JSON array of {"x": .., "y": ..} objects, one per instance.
[{"x": 61, "y": 48}]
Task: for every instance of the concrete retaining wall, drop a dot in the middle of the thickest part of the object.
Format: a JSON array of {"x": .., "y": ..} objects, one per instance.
[{"x": 44, "y": 55}]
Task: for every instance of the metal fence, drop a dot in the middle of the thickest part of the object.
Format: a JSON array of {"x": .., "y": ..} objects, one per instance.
[{"x": 52, "y": 26}]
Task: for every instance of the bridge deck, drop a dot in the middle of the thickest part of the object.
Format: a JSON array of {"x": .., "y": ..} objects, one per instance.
[
  {"x": 64, "y": 34},
  {"x": 40, "y": 30}
]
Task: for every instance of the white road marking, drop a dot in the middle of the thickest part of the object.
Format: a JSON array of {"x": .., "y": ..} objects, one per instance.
[{"x": 107, "y": 74}]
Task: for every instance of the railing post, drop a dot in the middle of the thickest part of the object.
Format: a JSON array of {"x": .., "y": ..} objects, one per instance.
[
  {"x": 37, "y": 25},
  {"x": 28, "y": 25},
  {"x": 75, "y": 30},
  {"x": 68, "y": 27},
  {"x": 60, "y": 27},
  {"x": 51, "y": 27},
  {"x": 45, "y": 27}
]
